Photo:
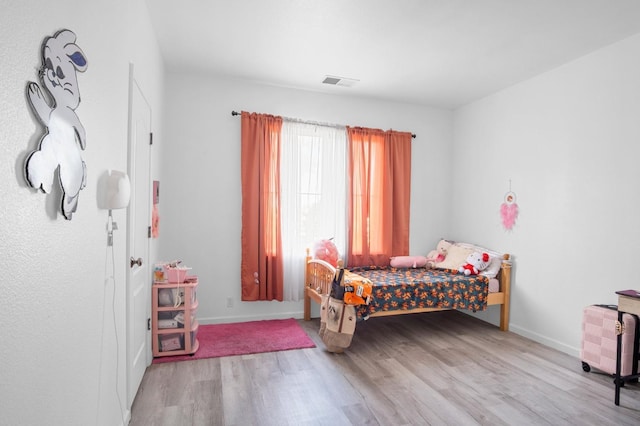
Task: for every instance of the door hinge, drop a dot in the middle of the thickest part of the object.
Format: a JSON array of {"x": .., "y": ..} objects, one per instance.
[
  {"x": 148, "y": 323},
  {"x": 151, "y": 138},
  {"x": 148, "y": 232}
]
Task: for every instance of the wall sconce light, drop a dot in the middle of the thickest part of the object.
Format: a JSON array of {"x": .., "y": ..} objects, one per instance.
[{"x": 114, "y": 192}]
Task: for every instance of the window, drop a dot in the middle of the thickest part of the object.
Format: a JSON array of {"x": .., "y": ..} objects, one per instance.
[
  {"x": 304, "y": 182},
  {"x": 313, "y": 198}
]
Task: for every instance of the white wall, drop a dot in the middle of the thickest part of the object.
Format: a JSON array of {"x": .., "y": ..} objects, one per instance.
[
  {"x": 568, "y": 142},
  {"x": 200, "y": 200},
  {"x": 61, "y": 363}
]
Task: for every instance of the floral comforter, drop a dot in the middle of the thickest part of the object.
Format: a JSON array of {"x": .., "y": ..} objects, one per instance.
[{"x": 410, "y": 288}]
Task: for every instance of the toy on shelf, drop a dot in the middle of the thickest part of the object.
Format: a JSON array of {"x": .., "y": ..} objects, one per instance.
[{"x": 172, "y": 272}]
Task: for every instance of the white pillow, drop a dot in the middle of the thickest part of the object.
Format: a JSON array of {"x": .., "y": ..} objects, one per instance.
[
  {"x": 492, "y": 270},
  {"x": 456, "y": 257}
]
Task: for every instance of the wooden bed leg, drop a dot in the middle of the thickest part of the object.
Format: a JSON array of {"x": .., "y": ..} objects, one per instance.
[
  {"x": 307, "y": 305},
  {"x": 504, "y": 317},
  {"x": 307, "y": 298},
  {"x": 505, "y": 281}
]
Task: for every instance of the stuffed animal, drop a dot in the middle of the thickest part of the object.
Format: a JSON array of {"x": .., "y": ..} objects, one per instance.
[
  {"x": 326, "y": 250},
  {"x": 438, "y": 255},
  {"x": 476, "y": 262},
  {"x": 408, "y": 262}
]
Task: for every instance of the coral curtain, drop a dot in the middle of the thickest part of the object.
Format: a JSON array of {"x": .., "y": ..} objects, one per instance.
[
  {"x": 261, "y": 265},
  {"x": 379, "y": 169}
]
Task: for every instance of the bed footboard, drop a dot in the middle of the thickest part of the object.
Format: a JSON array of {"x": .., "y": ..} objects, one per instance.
[{"x": 317, "y": 281}]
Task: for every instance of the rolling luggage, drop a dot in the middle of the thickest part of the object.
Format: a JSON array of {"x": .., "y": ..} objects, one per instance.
[{"x": 599, "y": 340}]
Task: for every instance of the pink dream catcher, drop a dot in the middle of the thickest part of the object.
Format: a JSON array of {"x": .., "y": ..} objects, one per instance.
[{"x": 509, "y": 210}]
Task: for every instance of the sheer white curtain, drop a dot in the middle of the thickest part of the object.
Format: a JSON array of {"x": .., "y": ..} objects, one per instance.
[{"x": 313, "y": 197}]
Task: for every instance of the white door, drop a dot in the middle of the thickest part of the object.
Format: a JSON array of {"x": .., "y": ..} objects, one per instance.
[{"x": 138, "y": 220}]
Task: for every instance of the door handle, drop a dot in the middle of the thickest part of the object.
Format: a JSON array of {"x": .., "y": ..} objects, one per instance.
[{"x": 137, "y": 261}]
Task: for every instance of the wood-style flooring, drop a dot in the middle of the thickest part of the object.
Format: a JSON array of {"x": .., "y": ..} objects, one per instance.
[{"x": 441, "y": 368}]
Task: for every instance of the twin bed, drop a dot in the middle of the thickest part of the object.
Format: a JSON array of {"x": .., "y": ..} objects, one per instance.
[{"x": 398, "y": 291}]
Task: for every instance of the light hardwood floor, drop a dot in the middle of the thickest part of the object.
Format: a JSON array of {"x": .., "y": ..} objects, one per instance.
[{"x": 442, "y": 368}]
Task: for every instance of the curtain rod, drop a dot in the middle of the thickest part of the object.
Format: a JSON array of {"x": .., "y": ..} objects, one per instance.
[{"x": 234, "y": 113}]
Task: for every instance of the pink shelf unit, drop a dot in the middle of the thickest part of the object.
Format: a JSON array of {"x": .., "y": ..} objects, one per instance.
[{"x": 174, "y": 326}]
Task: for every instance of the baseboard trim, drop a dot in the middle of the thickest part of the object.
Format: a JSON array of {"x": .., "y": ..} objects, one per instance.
[
  {"x": 552, "y": 343},
  {"x": 245, "y": 318}
]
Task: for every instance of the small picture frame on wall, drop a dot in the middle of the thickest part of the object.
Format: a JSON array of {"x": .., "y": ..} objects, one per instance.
[{"x": 156, "y": 191}]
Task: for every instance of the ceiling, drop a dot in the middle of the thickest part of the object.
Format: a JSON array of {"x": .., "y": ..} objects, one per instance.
[{"x": 443, "y": 53}]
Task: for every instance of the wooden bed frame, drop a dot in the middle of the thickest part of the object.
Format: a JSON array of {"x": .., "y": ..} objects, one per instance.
[{"x": 319, "y": 275}]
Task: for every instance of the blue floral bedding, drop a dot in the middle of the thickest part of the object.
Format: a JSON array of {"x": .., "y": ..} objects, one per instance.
[{"x": 410, "y": 288}]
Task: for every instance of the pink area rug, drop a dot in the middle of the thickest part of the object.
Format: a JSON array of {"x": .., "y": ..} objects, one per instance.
[{"x": 244, "y": 338}]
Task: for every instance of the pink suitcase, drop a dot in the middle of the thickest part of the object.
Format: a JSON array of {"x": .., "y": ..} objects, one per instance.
[{"x": 599, "y": 340}]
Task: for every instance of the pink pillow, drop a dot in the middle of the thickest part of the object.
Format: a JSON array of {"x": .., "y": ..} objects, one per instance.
[{"x": 408, "y": 261}]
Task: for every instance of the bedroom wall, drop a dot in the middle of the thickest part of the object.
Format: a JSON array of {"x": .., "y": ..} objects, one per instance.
[
  {"x": 200, "y": 200},
  {"x": 60, "y": 361},
  {"x": 567, "y": 141}
]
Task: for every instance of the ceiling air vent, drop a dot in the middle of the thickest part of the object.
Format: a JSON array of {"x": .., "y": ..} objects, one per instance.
[{"x": 339, "y": 81}]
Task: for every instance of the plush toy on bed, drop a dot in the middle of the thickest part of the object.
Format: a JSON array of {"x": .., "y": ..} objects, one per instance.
[
  {"x": 438, "y": 255},
  {"x": 408, "y": 262},
  {"x": 326, "y": 250},
  {"x": 476, "y": 262}
]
